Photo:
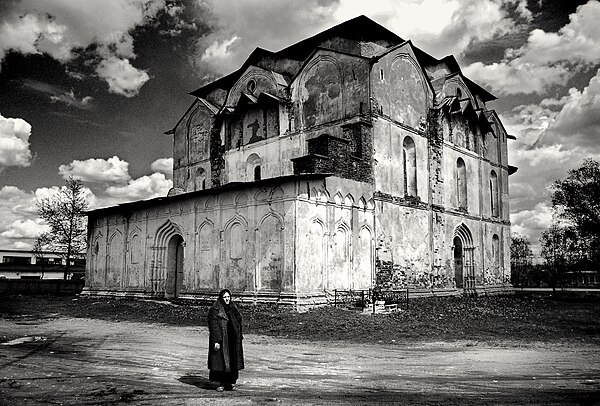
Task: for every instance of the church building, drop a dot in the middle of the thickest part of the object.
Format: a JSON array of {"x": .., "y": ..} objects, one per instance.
[{"x": 349, "y": 160}]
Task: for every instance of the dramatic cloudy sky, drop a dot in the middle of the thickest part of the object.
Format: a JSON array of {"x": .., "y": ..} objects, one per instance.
[{"x": 88, "y": 87}]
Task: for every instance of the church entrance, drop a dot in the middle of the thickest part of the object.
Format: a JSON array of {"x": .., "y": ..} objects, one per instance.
[
  {"x": 174, "y": 279},
  {"x": 458, "y": 262}
]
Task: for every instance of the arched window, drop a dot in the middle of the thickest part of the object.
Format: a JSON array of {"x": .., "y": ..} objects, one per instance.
[
  {"x": 494, "y": 194},
  {"x": 409, "y": 164},
  {"x": 253, "y": 170},
  {"x": 461, "y": 183},
  {"x": 496, "y": 251},
  {"x": 200, "y": 179}
]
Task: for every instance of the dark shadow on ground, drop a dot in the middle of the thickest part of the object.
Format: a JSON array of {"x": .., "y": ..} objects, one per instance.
[{"x": 198, "y": 381}]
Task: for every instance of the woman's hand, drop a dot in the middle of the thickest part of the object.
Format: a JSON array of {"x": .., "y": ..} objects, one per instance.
[{"x": 217, "y": 346}]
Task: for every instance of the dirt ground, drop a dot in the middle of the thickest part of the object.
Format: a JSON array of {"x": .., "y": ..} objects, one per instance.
[{"x": 80, "y": 361}]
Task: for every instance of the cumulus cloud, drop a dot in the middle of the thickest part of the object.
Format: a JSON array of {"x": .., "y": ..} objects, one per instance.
[
  {"x": 548, "y": 58},
  {"x": 163, "y": 165},
  {"x": 60, "y": 27},
  {"x": 97, "y": 170},
  {"x": 17, "y": 210},
  {"x": 578, "y": 122},
  {"x": 449, "y": 29},
  {"x": 25, "y": 229},
  {"x": 14, "y": 142},
  {"x": 121, "y": 76},
  {"x": 553, "y": 136},
  {"x": 145, "y": 187}
]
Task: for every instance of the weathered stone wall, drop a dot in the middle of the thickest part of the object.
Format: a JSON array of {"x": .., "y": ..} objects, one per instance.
[
  {"x": 331, "y": 87},
  {"x": 335, "y": 242},
  {"x": 241, "y": 239}
]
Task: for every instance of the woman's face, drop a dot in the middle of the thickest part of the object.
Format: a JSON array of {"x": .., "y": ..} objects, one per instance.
[{"x": 226, "y": 298}]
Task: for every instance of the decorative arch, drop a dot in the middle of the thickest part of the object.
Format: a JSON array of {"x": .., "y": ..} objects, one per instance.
[
  {"x": 204, "y": 275},
  {"x": 116, "y": 249},
  {"x": 241, "y": 199},
  {"x": 321, "y": 88},
  {"x": 253, "y": 163},
  {"x": 349, "y": 200},
  {"x": 461, "y": 184},
  {"x": 276, "y": 193},
  {"x": 494, "y": 205},
  {"x": 98, "y": 260},
  {"x": 270, "y": 252},
  {"x": 362, "y": 203},
  {"x": 408, "y": 91},
  {"x": 261, "y": 195},
  {"x": 200, "y": 179},
  {"x": 409, "y": 166},
  {"x": 463, "y": 253},
  {"x": 338, "y": 199},
  {"x": 339, "y": 271},
  {"x": 234, "y": 274},
  {"x": 363, "y": 272},
  {"x": 135, "y": 263},
  {"x": 316, "y": 257}
]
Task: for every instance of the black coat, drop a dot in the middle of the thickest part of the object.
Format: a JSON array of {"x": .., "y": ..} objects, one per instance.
[{"x": 217, "y": 327}]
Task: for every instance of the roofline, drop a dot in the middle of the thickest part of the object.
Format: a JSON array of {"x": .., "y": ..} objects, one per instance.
[
  {"x": 222, "y": 82},
  {"x": 219, "y": 189}
]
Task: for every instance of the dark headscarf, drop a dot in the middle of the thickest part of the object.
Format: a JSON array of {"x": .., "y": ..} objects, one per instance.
[{"x": 231, "y": 310}]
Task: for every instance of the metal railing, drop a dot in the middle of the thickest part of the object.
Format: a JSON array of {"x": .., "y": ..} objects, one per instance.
[{"x": 377, "y": 298}]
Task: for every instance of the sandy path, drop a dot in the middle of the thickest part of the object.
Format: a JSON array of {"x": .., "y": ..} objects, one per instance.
[{"x": 93, "y": 362}]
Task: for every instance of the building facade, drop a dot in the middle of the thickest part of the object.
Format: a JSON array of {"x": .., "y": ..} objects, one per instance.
[
  {"x": 349, "y": 160},
  {"x": 23, "y": 264}
]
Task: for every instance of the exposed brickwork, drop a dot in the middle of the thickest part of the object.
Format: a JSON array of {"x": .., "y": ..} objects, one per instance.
[
  {"x": 435, "y": 142},
  {"x": 217, "y": 160},
  {"x": 348, "y": 157}
]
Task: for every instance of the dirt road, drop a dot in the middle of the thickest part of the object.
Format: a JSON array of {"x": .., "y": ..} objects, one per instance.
[{"x": 67, "y": 361}]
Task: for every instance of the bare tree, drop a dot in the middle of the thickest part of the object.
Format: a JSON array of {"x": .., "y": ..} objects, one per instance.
[
  {"x": 561, "y": 250},
  {"x": 64, "y": 213},
  {"x": 520, "y": 259}
]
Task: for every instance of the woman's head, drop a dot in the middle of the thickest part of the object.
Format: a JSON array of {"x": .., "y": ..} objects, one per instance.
[{"x": 225, "y": 296}]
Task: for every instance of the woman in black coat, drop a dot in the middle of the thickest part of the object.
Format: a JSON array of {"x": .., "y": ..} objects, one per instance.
[{"x": 225, "y": 352}]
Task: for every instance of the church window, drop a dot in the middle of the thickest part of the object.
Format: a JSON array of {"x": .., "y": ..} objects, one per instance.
[
  {"x": 409, "y": 164},
  {"x": 257, "y": 172},
  {"x": 251, "y": 86},
  {"x": 381, "y": 74},
  {"x": 494, "y": 194},
  {"x": 461, "y": 183}
]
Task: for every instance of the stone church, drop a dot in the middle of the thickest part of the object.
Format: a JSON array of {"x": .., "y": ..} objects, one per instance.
[{"x": 349, "y": 160}]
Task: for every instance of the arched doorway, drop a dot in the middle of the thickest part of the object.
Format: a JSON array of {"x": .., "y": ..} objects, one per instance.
[
  {"x": 463, "y": 254},
  {"x": 458, "y": 262},
  {"x": 174, "y": 279}
]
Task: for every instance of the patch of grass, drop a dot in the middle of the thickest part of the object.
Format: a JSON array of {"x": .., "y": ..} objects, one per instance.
[{"x": 519, "y": 319}]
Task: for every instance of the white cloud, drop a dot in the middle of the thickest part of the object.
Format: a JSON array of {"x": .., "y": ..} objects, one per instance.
[
  {"x": 121, "y": 76},
  {"x": 97, "y": 170},
  {"x": 163, "y": 165},
  {"x": 578, "y": 122},
  {"x": 518, "y": 77},
  {"x": 532, "y": 222},
  {"x": 25, "y": 229},
  {"x": 145, "y": 187},
  {"x": 59, "y": 27},
  {"x": 440, "y": 27},
  {"x": 218, "y": 51},
  {"x": 17, "y": 207},
  {"x": 14, "y": 142},
  {"x": 548, "y": 58}
]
